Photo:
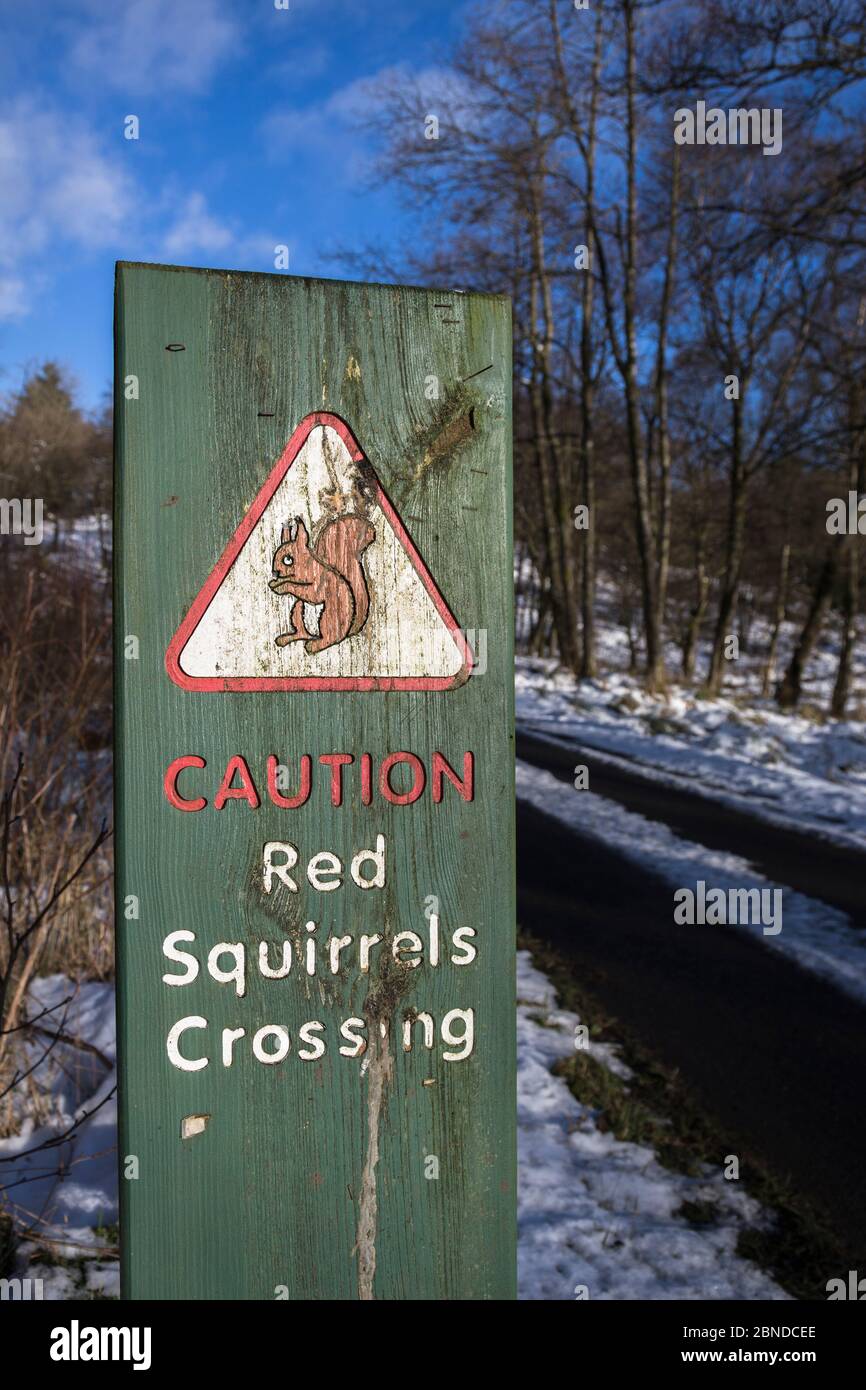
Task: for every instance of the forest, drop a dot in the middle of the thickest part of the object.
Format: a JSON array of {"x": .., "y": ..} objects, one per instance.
[{"x": 688, "y": 317}]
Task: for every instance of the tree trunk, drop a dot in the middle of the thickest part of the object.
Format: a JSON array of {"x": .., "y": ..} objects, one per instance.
[
  {"x": 850, "y": 604},
  {"x": 734, "y": 556},
  {"x": 586, "y": 142},
  {"x": 789, "y": 689},
  {"x": 851, "y": 571},
  {"x": 535, "y": 641},
  {"x": 589, "y": 554},
  {"x": 697, "y": 615},
  {"x": 556, "y": 499},
  {"x": 778, "y": 618},
  {"x": 661, "y": 402},
  {"x": 639, "y": 471}
]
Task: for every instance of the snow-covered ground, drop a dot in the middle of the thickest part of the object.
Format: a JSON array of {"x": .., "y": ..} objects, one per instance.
[
  {"x": 596, "y": 1213},
  {"x": 67, "y": 1195},
  {"x": 600, "y": 1218},
  {"x": 593, "y": 1211},
  {"x": 587, "y": 1200},
  {"x": 786, "y": 768},
  {"x": 738, "y": 749},
  {"x": 90, "y": 539}
]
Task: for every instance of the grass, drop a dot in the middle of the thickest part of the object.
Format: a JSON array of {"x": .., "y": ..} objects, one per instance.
[
  {"x": 656, "y": 1109},
  {"x": 106, "y": 1249},
  {"x": 77, "y": 1269},
  {"x": 699, "y": 1213}
]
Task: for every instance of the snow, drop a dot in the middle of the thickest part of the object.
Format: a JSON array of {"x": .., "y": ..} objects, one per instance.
[
  {"x": 782, "y": 767},
  {"x": 89, "y": 539},
  {"x": 596, "y": 1214},
  {"x": 593, "y": 1211},
  {"x": 819, "y": 937},
  {"x": 599, "y": 1214},
  {"x": 65, "y": 1196}
]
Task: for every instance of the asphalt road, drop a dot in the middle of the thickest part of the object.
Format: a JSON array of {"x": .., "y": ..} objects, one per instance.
[
  {"x": 802, "y": 861},
  {"x": 776, "y": 1055}
]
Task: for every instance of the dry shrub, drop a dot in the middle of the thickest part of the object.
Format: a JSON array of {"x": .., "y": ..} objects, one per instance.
[{"x": 55, "y": 745}]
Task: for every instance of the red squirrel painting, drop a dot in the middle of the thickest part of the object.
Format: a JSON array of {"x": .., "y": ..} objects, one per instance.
[{"x": 331, "y": 572}]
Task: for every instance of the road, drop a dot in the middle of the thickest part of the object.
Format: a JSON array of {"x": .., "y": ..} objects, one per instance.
[{"x": 776, "y": 1055}]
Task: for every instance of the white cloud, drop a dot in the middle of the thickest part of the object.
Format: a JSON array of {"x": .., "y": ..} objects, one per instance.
[
  {"x": 195, "y": 230},
  {"x": 63, "y": 191},
  {"x": 197, "y": 233},
  {"x": 148, "y": 45},
  {"x": 257, "y": 251},
  {"x": 57, "y": 186},
  {"x": 335, "y": 131},
  {"x": 330, "y": 132},
  {"x": 14, "y": 302}
]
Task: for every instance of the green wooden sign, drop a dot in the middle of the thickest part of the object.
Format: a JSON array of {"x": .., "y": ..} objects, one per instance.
[{"x": 315, "y": 834}]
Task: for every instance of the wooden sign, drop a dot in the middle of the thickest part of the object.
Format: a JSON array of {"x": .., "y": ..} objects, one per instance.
[{"x": 314, "y": 754}]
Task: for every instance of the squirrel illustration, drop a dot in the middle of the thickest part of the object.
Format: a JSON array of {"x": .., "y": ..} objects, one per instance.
[{"x": 331, "y": 573}]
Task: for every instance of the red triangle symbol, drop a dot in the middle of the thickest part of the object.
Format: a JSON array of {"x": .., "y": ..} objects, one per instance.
[{"x": 320, "y": 587}]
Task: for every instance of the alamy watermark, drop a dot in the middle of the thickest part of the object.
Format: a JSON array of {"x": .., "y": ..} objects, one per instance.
[
  {"x": 729, "y": 907},
  {"x": 853, "y": 1288},
  {"x": 21, "y": 1290},
  {"x": 77, "y": 1343},
  {"x": 846, "y": 516},
  {"x": 22, "y": 516},
  {"x": 736, "y": 126}
]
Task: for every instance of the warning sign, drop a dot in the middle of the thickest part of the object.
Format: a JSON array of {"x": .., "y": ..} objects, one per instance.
[
  {"x": 315, "y": 895},
  {"x": 320, "y": 587}
]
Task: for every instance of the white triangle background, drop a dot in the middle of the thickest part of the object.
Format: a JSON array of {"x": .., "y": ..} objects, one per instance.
[{"x": 404, "y": 634}]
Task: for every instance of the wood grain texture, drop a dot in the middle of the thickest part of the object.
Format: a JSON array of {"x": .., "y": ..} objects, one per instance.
[{"x": 297, "y": 1159}]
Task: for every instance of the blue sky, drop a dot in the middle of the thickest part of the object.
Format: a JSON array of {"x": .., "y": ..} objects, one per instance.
[{"x": 250, "y": 137}]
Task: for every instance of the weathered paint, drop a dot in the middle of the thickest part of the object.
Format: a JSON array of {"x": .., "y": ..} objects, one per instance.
[
  {"x": 242, "y": 631},
  {"x": 314, "y": 801}
]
